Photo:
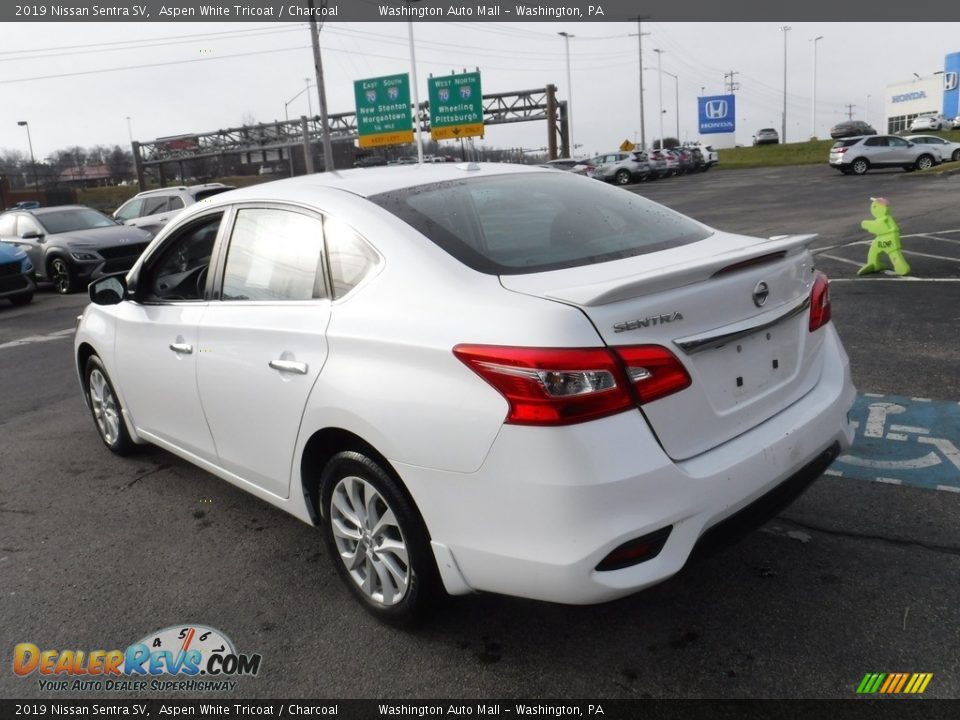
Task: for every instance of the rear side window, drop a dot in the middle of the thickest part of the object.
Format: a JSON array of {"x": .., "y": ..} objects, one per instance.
[
  {"x": 526, "y": 223},
  {"x": 849, "y": 142},
  {"x": 274, "y": 255},
  {"x": 210, "y": 192}
]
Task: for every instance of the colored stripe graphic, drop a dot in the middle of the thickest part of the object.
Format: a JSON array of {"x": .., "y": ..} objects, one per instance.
[{"x": 894, "y": 683}]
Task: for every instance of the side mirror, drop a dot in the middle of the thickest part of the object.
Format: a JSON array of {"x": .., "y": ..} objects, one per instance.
[
  {"x": 31, "y": 235},
  {"x": 109, "y": 290}
]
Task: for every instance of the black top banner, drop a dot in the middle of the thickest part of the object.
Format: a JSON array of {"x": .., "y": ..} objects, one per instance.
[{"x": 865, "y": 11}]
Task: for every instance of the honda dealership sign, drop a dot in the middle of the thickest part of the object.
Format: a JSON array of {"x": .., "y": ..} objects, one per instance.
[{"x": 717, "y": 114}]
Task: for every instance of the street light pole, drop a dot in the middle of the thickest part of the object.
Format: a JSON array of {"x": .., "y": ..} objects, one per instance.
[
  {"x": 573, "y": 148},
  {"x": 676, "y": 81},
  {"x": 783, "y": 129},
  {"x": 659, "y": 53},
  {"x": 813, "y": 118},
  {"x": 640, "y": 34},
  {"x": 33, "y": 162}
]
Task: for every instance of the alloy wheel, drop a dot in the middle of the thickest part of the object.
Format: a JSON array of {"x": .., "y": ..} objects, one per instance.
[
  {"x": 104, "y": 406},
  {"x": 60, "y": 274},
  {"x": 369, "y": 541}
]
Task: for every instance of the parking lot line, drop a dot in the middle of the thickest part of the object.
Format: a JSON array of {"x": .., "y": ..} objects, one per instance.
[
  {"x": 935, "y": 257},
  {"x": 29, "y": 340},
  {"x": 956, "y": 241}
]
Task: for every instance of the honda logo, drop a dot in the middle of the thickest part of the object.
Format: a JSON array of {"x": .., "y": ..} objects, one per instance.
[
  {"x": 950, "y": 81},
  {"x": 716, "y": 109}
]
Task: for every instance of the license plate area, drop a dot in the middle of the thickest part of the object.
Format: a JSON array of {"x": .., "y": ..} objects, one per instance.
[{"x": 750, "y": 367}]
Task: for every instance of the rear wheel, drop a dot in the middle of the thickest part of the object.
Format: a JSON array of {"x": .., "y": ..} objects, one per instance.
[
  {"x": 859, "y": 166},
  {"x": 924, "y": 162},
  {"x": 622, "y": 177},
  {"x": 61, "y": 274},
  {"x": 376, "y": 538},
  {"x": 106, "y": 409}
]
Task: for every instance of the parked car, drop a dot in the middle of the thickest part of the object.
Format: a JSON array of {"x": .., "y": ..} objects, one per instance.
[
  {"x": 932, "y": 121},
  {"x": 860, "y": 154},
  {"x": 475, "y": 377},
  {"x": 851, "y": 128},
  {"x": 668, "y": 164},
  {"x": 766, "y": 136},
  {"x": 947, "y": 150},
  {"x": 708, "y": 152},
  {"x": 16, "y": 273},
  {"x": 152, "y": 209},
  {"x": 564, "y": 163},
  {"x": 684, "y": 158},
  {"x": 26, "y": 205},
  {"x": 70, "y": 245},
  {"x": 621, "y": 168},
  {"x": 370, "y": 161}
]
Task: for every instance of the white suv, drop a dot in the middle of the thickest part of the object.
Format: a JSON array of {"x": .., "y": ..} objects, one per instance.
[{"x": 152, "y": 209}]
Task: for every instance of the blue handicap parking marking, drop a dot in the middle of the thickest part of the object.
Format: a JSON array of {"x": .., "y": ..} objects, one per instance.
[{"x": 905, "y": 441}]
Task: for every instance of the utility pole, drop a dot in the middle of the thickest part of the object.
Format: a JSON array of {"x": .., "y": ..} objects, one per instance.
[
  {"x": 783, "y": 130},
  {"x": 728, "y": 81},
  {"x": 416, "y": 94},
  {"x": 659, "y": 53},
  {"x": 850, "y": 108},
  {"x": 640, "y": 34},
  {"x": 813, "y": 114},
  {"x": 328, "y": 164}
]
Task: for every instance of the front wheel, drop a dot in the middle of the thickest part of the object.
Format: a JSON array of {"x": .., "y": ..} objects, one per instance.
[
  {"x": 62, "y": 276},
  {"x": 955, "y": 156},
  {"x": 622, "y": 177},
  {"x": 377, "y": 540},
  {"x": 924, "y": 162},
  {"x": 106, "y": 409}
]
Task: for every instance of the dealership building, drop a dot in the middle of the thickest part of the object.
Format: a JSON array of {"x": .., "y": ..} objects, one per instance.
[{"x": 938, "y": 93}]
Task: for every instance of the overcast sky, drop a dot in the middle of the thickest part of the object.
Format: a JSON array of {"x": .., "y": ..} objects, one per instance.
[{"x": 77, "y": 83}]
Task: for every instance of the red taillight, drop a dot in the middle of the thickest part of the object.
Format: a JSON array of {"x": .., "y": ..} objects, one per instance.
[
  {"x": 840, "y": 150},
  {"x": 819, "y": 301},
  {"x": 654, "y": 371},
  {"x": 562, "y": 386}
]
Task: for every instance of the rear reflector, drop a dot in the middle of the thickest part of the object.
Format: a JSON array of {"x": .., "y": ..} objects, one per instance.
[
  {"x": 636, "y": 551},
  {"x": 819, "y": 301},
  {"x": 563, "y": 386}
]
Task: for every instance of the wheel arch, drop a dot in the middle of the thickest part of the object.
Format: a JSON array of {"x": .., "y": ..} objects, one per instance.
[
  {"x": 84, "y": 352},
  {"x": 322, "y": 446}
]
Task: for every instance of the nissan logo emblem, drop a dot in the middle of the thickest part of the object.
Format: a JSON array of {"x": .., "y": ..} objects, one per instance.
[{"x": 760, "y": 293}]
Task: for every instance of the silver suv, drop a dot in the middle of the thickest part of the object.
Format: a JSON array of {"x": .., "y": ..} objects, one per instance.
[
  {"x": 151, "y": 209},
  {"x": 622, "y": 168},
  {"x": 857, "y": 155}
]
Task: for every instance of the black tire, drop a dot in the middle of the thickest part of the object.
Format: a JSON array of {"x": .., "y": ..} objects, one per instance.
[
  {"x": 61, "y": 274},
  {"x": 21, "y": 299},
  {"x": 925, "y": 162},
  {"x": 346, "y": 477},
  {"x": 955, "y": 156},
  {"x": 859, "y": 166},
  {"x": 623, "y": 177},
  {"x": 106, "y": 409}
]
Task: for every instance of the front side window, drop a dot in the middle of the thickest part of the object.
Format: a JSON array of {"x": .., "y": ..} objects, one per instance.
[
  {"x": 181, "y": 268},
  {"x": 155, "y": 204},
  {"x": 532, "y": 222},
  {"x": 274, "y": 255}
]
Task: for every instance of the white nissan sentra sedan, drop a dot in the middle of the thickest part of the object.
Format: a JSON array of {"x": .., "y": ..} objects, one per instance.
[{"x": 475, "y": 377}]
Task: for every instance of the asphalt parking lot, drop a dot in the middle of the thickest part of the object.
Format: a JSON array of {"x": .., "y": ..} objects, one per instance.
[{"x": 860, "y": 575}]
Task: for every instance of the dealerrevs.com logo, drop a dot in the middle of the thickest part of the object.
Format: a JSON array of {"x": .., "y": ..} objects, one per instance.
[{"x": 177, "y": 658}]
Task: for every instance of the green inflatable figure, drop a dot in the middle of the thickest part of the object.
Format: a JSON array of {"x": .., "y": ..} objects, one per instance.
[{"x": 886, "y": 240}]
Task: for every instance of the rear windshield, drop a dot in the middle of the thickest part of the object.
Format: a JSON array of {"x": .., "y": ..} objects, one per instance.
[
  {"x": 526, "y": 223},
  {"x": 846, "y": 143}
]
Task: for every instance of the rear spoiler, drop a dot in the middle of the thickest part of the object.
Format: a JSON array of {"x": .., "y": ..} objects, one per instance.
[{"x": 680, "y": 274}]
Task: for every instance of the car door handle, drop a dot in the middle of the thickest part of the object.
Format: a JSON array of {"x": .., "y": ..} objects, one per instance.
[
  {"x": 290, "y": 366},
  {"x": 182, "y": 348}
]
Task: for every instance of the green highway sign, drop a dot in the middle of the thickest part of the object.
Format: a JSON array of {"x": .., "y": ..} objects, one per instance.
[
  {"x": 384, "y": 115},
  {"x": 456, "y": 106}
]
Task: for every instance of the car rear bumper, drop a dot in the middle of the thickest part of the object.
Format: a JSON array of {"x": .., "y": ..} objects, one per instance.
[{"x": 548, "y": 505}]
